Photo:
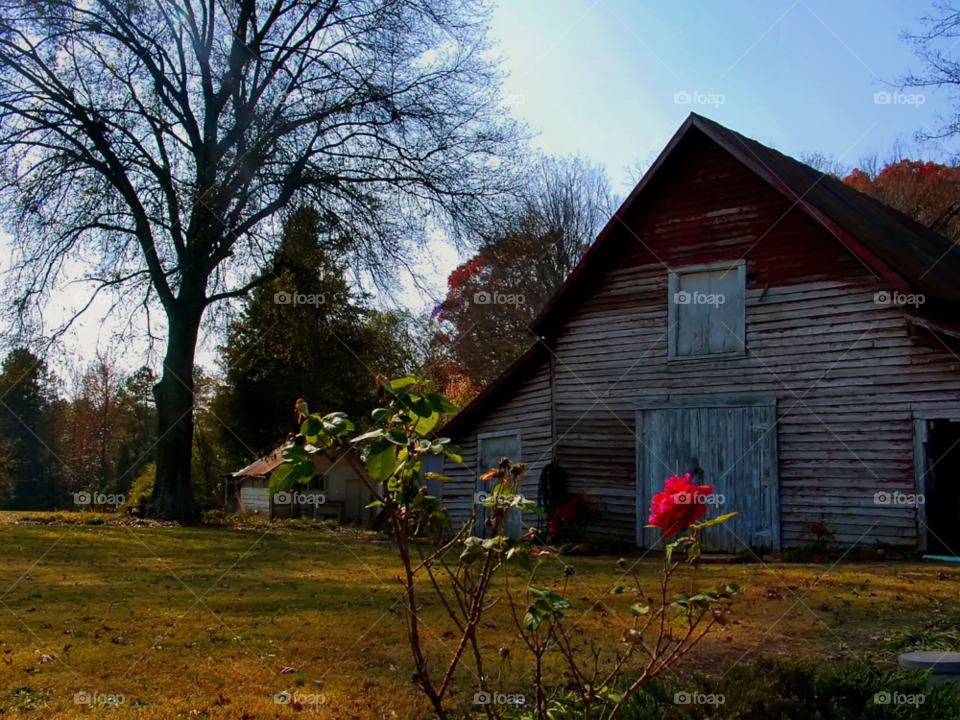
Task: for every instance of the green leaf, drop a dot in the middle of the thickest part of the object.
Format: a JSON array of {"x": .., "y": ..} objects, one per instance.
[
  {"x": 556, "y": 601},
  {"x": 441, "y": 404},
  {"x": 531, "y": 621},
  {"x": 531, "y": 506},
  {"x": 437, "y": 476},
  {"x": 637, "y": 610},
  {"x": 614, "y": 698},
  {"x": 416, "y": 405},
  {"x": 382, "y": 460},
  {"x": 334, "y": 425},
  {"x": 453, "y": 452},
  {"x": 381, "y": 414},
  {"x": 403, "y": 382},
  {"x": 519, "y": 556},
  {"x": 303, "y": 472},
  {"x": 281, "y": 480},
  {"x": 369, "y": 435},
  {"x": 311, "y": 426},
  {"x": 375, "y": 503},
  {"x": 295, "y": 453},
  {"x": 397, "y": 437},
  {"x": 426, "y": 422},
  {"x": 715, "y": 521}
]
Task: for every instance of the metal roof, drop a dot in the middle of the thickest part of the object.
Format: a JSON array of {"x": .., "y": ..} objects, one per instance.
[{"x": 266, "y": 465}]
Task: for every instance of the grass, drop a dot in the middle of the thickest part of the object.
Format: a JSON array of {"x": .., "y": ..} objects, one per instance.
[{"x": 212, "y": 622}]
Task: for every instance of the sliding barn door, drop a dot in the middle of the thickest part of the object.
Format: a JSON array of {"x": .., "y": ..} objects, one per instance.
[{"x": 731, "y": 446}]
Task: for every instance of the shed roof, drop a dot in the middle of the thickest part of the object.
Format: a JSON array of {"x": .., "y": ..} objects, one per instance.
[
  {"x": 267, "y": 464},
  {"x": 909, "y": 255}
]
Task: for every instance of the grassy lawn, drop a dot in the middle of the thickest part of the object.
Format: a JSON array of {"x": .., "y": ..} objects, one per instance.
[{"x": 211, "y": 622}]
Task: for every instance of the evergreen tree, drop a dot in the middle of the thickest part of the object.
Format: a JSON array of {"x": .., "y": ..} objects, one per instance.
[
  {"x": 30, "y": 475},
  {"x": 305, "y": 334}
]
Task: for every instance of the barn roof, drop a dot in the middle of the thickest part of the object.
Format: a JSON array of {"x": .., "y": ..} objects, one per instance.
[{"x": 908, "y": 254}]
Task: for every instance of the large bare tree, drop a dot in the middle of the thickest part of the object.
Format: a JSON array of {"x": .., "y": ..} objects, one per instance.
[{"x": 150, "y": 144}]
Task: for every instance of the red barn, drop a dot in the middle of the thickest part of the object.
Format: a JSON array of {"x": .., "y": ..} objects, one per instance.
[{"x": 768, "y": 329}]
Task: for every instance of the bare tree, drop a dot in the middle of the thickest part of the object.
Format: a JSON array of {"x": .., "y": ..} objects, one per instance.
[
  {"x": 152, "y": 143},
  {"x": 567, "y": 202},
  {"x": 933, "y": 45},
  {"x": 537, "y": 240}
]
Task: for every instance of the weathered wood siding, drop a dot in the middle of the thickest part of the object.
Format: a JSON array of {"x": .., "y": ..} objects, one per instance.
[
  {"x": 848, "y": 374},
  {"x": 527, "y": 411},
  {"x": 255, "y": 498}
]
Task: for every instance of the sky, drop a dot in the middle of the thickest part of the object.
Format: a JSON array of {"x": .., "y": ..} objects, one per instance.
[
  {"x": 607, "y": 79},
  {"x": 599, "y": 77}
]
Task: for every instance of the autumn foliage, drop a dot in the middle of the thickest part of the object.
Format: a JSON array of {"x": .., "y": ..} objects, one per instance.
[{"x": 926, "y": 191}]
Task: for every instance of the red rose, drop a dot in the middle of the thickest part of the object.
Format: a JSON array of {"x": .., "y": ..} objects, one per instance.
[{"x": 678, "y": 506}]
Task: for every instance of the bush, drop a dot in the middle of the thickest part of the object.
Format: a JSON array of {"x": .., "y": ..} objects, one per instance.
[
  {"x": 790, "y": 690},
  {"x": 140, "y": 490}
]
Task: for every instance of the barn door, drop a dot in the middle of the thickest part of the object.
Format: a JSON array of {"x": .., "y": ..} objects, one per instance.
[
  {"x": 731, "y": 446},
  {"x": 492, "y": 447}
]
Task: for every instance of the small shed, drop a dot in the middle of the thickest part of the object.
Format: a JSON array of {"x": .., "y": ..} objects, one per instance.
[{"x": 337, "y": 490}]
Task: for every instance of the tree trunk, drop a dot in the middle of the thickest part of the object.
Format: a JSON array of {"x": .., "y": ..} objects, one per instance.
[{"x": 173, "y": 491}]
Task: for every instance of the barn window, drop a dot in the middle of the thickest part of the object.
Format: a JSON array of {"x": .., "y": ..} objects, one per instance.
[
  {"x": 706, "y": 310},
  {"x": 317, "y": 482}
]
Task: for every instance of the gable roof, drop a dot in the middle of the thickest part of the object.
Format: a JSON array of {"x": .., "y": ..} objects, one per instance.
[{"x": 909, "y": 255}]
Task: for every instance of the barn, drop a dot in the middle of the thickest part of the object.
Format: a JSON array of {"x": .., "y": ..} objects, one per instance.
[{"x": 765, "y": 328}]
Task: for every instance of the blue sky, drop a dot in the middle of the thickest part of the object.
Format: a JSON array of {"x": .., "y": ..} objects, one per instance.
[{"x": 598, "y": 77}]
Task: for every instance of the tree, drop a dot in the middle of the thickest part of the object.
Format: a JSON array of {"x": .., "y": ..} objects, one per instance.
[
  {"x": 156, "y": 143},
  {"x": 138, "y": 419},
  {"x": 933, "y": 46},
  {"x": 926, "y": 191},
  {"x": 307, "y": 312},
  {"x": 493, "y": 297},
  {"x": 30, "y": 474}
]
